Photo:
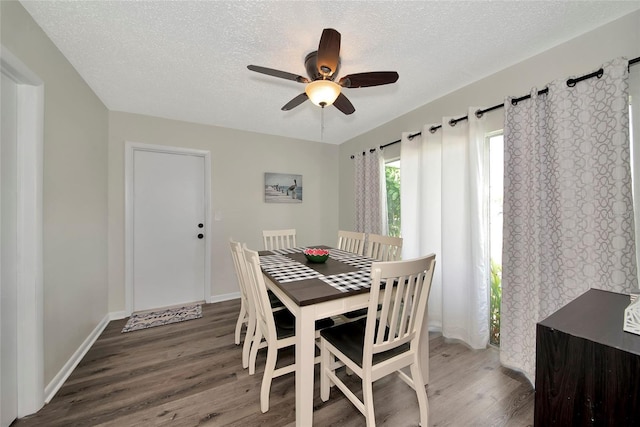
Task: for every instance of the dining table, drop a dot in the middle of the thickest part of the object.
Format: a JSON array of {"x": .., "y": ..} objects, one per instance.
[{"x": 313, "y": 291}]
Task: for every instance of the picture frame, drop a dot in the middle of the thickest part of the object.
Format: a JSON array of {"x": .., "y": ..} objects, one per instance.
[{"x": 282, "y": 188}]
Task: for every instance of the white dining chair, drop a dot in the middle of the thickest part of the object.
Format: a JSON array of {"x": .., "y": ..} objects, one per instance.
[
  {"x": 275, "y": 328},
  {"x": 387, "y": 340},
  {"x": 351, "y": 241},
  {"x": 384, "y": 248},
  {"x": 247, "y": 315},
  {"x": 380, "y": 248},
  {"x": 279, "y": 239}
]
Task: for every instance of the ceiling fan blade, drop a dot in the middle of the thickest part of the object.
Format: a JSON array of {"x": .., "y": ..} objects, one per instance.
[
  {"x": 343, "y": 104},
  {"x": 295, "y": 102},
  {"x": 329, "y": 52},
  {"x": 374, "y": 78},
  {"x": 278, "y": 73}
]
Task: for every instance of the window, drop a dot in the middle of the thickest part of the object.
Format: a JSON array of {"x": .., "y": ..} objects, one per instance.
[
  {"x": 392, "y": 176},
  {"x": 496, "y": 178}
]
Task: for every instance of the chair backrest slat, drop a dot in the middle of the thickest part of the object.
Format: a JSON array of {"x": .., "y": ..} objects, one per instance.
[
  {"x": 384, "y": 248},
  {"x": 241, "y": 271},
  {"x": 256, "y": 284},
  {"x": 279, "y": 239},
  {"x": 351, "y": 241},
  {"x": 401, "y": 288}
]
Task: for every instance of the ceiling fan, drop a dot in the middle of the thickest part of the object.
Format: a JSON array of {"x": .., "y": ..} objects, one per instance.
[{"x": 322, "y": 68}]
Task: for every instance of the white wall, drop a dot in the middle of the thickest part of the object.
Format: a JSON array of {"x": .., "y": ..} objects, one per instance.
[
  {"x": 74, "y": 192},
  {"x": 576, "y": 57},
  {"x": 238, "y": 162}
]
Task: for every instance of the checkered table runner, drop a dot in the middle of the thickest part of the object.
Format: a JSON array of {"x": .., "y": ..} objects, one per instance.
[
  {"x": 267, "y": 260},
  {"x": 339, "y": 254},
  {"x": 352, "y": 259},
  {"x": 285, "y": 269},
  {"x": 346, "y": 282},
  {"x": 284, "y": 273},
  {"x": 295, "y": 250}
]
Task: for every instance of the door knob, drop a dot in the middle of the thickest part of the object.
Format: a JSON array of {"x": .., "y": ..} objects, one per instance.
[
  {"x": 200, "y": 225},
  {"x": 200, "y": 236}
]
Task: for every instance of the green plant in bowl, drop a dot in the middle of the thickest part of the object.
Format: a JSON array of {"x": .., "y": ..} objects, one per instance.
[{"x": 316, "y": 255}]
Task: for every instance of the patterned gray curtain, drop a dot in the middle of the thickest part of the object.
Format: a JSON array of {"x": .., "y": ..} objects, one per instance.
[
  {"x": 568, "y": 210},
  {"x": 367, "y": 192}
]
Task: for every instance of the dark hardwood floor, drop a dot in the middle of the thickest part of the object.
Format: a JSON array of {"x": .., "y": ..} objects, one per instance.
[{"x": 190, "y": 374}]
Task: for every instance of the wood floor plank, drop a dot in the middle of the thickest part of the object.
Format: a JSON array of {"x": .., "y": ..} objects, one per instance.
[{"x": 190, "y": 374}]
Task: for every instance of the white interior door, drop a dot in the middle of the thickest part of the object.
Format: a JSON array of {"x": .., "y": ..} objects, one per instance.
[
  {"x": 8, "y": 255},
  {"x": 169, "y": 229}
]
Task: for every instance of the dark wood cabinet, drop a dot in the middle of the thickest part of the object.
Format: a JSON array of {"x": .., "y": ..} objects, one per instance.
[{"x": 587, "y": 367}]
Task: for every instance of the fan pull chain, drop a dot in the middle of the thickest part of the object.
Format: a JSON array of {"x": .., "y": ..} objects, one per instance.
[{"x": 322, "y": 124}]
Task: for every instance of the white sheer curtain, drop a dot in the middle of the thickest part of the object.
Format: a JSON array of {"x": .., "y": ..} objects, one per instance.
[
  {"x": 420, "y": 195},
  {"x": 568, "y": 216},
  {"x": 370, "y": 193},
  {"x": 444, "y": 211}
]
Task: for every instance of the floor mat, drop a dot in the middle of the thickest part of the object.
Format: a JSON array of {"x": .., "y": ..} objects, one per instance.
[{"x": 150, "y": 319}]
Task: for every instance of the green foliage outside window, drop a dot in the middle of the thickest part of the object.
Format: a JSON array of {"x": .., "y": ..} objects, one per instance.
[
  {"x": 496, "y": 300},
  {"x": 392, "y": 174}
]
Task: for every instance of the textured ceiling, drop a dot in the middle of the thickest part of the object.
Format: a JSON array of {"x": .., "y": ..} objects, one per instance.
[{"x": 187, "y": 60}]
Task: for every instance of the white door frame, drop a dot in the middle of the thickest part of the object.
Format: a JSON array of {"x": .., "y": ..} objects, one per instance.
[
  {"x": 30, "y": 136},
  {"x": 130, "y": 148}
]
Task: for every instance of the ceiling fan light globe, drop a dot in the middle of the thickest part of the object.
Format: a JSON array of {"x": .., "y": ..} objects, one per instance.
[{"x": 322, "y": 92}]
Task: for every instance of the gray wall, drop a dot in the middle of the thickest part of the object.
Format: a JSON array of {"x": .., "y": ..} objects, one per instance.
[
  {"x": 576, "y": 57},
  {"x": 238, "y": 163},
  {"x": 74, "y": 192}
]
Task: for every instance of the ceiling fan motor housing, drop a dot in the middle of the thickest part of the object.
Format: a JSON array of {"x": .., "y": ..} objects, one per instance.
[{"x": 311, "y": 65}]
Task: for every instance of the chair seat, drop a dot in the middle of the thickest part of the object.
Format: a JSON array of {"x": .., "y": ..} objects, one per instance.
[
  {"x": 349, "y": 339},
  {"x": 286, "y": 323},
  {"x": 357, "y": 313},
  {"x": 324, "y": 323},
  {"x": 274, "y": 300}
]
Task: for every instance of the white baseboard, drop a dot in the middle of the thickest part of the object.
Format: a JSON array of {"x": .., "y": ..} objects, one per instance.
[
  {"x": 435, "y": 326},
  {"x": 52, "y": 388},
  {"x": 225, "y": 297},
  {"x": 117, "y": 315}
]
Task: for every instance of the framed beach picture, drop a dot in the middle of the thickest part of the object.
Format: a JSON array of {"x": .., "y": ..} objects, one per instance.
[{"x": 282, "y": 188}]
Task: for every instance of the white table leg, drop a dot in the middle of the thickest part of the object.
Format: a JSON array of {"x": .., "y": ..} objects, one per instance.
[{"x": 305, "y": 354}]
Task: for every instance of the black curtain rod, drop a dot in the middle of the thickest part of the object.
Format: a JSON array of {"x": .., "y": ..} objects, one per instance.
[
  {"x": 480, "y": 113},
  {"x": 371, "y": 150}
]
